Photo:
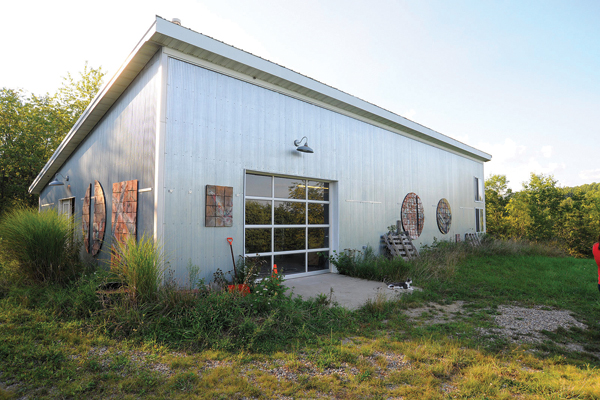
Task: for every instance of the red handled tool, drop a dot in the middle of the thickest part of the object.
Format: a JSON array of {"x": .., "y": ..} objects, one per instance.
[{"x": 230, "y": 241}]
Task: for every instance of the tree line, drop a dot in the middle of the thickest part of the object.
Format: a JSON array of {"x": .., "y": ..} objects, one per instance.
[
  {"x": 33, "y": 126},
  {"x": 568, "y": 217}
]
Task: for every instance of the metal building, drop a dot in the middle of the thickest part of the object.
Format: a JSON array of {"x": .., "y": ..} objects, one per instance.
[{"x": 194, "y": 141}]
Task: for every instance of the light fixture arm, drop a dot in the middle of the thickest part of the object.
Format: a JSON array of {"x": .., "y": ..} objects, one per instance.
[
  {"x": 298, "y": 142},
  {"x": 56, "y": 182},
  {"x": 303, "y": 148}
]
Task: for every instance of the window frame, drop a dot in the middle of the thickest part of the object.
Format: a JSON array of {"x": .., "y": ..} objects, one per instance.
[
  {"x": 71, "y": 202},
  {"x": 479, "y": 220},
  {"x": 479, "y": 190},
  {"x": 273, "y": 226}
]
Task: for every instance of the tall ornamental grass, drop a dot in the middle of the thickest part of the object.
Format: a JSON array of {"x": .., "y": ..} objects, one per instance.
[
  {"x": 39, "y": 246},
  {"x": 140, "y": 265}
]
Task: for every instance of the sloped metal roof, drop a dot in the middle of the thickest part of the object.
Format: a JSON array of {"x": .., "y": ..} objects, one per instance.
[{"x": 168, "y": 34}]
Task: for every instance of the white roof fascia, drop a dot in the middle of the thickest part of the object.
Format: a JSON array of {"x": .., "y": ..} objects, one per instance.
[{"x": 94, "y": 112}]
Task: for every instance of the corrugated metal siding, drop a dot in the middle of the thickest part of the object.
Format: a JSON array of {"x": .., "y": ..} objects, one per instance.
[
  {"x": 218, "y": 127},
  {"x": 121, "y": 147}
]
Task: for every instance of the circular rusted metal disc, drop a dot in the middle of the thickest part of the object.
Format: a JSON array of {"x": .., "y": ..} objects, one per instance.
[
  {"x": 413, "y": 215},
  {"x": 444, "y": 216}
]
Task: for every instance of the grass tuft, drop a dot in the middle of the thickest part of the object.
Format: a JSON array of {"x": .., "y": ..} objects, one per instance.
[
  {"x": 39, "y": 246},
  {"x": 140, "y": 265}
]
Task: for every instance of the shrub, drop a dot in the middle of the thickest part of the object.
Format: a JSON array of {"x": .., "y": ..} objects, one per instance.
[
  {"x": 493, "y": 246},
  {"x": 40, "y": 246},
  {"x": 248, "y": 270},
  {"x": 435, "y": 262},
  {"x": 140, "y": 265},
  {"x": 370, "y": 266}
]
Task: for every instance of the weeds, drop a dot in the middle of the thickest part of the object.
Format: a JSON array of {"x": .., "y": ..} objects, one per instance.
[
  {"x": 39, "y": 246},
  {"x": 139, "y": 265},
  {"x": 56, "y": 341},
  {"x": 437, "y": 262},
  {"x": 370, "y": 266}
]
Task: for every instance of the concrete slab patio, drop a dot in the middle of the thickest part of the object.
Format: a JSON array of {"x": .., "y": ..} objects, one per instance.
[{"x": 348, "y": 292}]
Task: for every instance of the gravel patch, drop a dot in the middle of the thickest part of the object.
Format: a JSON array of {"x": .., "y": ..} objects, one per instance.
[{"x": 525, "y": 325}]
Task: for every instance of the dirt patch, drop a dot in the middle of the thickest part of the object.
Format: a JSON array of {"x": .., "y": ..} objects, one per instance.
[{"x": 433, "y": 313}]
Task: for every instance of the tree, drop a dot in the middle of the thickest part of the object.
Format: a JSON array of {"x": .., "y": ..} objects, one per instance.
[
  {"x": 543, "y": 200},
  {"x": 573, "y": 228},
  {"x": 497, "y": 197},
  {"x": 32, "y": 127},
  {"x": 518, "y": 219},
  {"x": 542, "y": 211}
]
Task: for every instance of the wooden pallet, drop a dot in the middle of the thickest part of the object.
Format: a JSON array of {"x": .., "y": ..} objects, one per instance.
[
  {"x": 473, "y": 239},
  {"x": 400, "y": 245}
]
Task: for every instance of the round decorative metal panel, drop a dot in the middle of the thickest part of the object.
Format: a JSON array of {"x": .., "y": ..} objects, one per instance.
[
  {"x": 444, "y": 216},
  {"x": 413, "y": 215}
]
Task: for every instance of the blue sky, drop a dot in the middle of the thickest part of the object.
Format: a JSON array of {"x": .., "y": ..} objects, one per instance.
[{"x": 517, "y": 79}]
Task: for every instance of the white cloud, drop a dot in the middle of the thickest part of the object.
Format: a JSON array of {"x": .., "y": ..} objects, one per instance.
[
  {"x": 517, "y": 161},
  {"x": 547, "y": 151},
  {"x": 590, "y": 174},
  {"x": 463, "y": 139},
  {"x": 410, "y": 114},
  {"x": 504, "y": 152}
]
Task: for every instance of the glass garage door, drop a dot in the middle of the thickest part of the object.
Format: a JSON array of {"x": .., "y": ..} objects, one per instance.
[{"x": 287, "y": 223}]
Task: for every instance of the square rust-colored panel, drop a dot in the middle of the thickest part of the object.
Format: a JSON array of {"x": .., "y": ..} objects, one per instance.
[
  {"x": 124, "y": 210},
  {"x": 130, "y": 207},
  {"x": 219, "y": 206},
  {"x": 211, "y": 211},
  {"x": 130, "y": 195},
  {"x": 132, "y": 218},
  {"x": 131, "y": 228}
]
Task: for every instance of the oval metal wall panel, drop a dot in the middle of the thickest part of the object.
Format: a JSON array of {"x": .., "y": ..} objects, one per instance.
[
  {"x": 413, "y": 216},
  {"x": 99, "y": 218},
  {"x": 85, "y": 218},
  {"x": 443, "y": 215}
]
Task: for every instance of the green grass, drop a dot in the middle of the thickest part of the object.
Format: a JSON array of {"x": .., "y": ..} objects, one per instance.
[
  {"x": 58, "y": 341},
  {"x": 140, "y": 266},
  {"x": 39, "y": 246}
]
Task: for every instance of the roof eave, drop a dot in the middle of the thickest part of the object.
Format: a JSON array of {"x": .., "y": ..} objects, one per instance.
[
  {"x": 102, "y": 102},
  {"x": 201, "y": 46},
  {"x": 165, "y": 33}
]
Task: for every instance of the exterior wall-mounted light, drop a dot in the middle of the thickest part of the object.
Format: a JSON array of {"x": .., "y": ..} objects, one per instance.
[
  {"x": 56, "y": 182},
  {"x": 305, "y": 148}
]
